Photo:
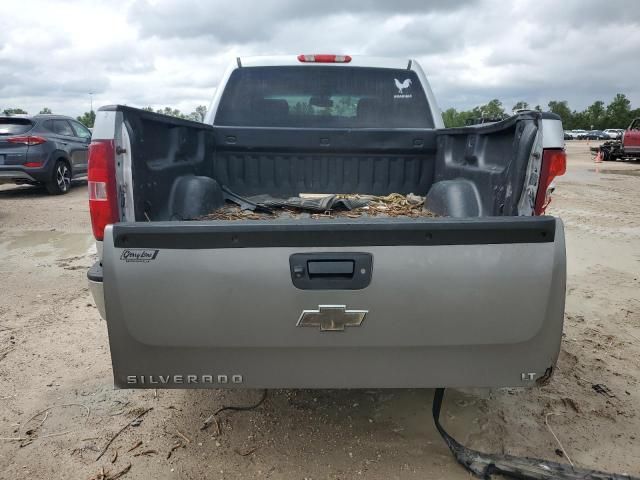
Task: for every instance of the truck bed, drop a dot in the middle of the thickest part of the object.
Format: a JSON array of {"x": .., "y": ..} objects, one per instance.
[
  {"x": 180, "y": 166},
  {"x": 468, "y": 293}
]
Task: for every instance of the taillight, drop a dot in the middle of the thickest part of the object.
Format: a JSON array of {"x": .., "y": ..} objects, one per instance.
[
  {"x": 322, "y": 58},
  {"x": 103, "y": 200},
  {"x": 27, "y": 140},
  {"x": 554, "y": 164}
]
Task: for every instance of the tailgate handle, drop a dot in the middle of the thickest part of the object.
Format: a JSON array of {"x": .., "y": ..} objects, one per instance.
[{"x": 331, "y": 270}]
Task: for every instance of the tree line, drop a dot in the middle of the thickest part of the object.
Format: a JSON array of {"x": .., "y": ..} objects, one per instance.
[
  {"x": 197, "y": 115},
  {"x": 597, "y": 116},
  {"x": 617, "y": 114},
  {"x": 88, "y": 118}
]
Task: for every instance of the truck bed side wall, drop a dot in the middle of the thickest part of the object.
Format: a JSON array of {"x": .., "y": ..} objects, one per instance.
[{"x": 476, "y": 171}]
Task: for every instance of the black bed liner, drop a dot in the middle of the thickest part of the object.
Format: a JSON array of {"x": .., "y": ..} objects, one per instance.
[{"x": 471, "y": 171}]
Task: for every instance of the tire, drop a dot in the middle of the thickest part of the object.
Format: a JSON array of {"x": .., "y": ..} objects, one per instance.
[
  {"x": 61, "y": 179},
  {"x": 608, "y": 156}
]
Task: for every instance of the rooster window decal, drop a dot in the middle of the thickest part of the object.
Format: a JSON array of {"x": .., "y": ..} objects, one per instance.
[{"x": 402, "y": 86}]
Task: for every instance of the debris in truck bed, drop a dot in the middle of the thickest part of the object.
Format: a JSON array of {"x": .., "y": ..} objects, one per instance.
[
  {"x": 308, "y": 205},
  {"x": 233, "y": 212},
  {"x": 312, "y": 202},
  {"x": 395, "y": 205}
]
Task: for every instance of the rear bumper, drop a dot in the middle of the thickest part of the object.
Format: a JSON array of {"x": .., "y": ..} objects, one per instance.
[
  {"x": 13, "y": 173},
  {"x": 11, "y": 176},
  {"x": 633, "y": 149},
  {"x": 94, "y": 276}
]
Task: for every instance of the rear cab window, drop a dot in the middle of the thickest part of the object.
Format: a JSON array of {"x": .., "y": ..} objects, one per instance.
[
  {"x": 324, "y": 97},
  {"x": 15, "y": 126}
]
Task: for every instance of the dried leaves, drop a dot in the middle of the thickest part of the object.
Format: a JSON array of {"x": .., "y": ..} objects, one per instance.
[
  {"x": 392, "y": 205},
  {"x": 233, "y": 212}
]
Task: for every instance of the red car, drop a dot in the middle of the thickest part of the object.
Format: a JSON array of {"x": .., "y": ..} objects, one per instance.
[
  {"x": 631, "y": 139},
  {"x": 627, "y": 148}
]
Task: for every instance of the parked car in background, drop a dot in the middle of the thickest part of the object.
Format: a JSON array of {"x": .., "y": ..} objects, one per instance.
[
  {"x": 614, "y": 133},
  {"x": 596, "y": 135},
  {"x": 568, "y": 135},
  {"x": 48, "y": 150},
  {"x": 579, "y": 134}
]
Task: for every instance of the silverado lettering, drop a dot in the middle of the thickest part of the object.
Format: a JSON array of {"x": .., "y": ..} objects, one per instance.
[{"x": 180, "y": 379}]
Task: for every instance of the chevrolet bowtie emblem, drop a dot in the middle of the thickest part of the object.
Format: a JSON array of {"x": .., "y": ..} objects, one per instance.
[{"x": 331, "y": 318}]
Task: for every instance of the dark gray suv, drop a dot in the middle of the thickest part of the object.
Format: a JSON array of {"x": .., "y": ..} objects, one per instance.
[{"x": 47, "y": 150}]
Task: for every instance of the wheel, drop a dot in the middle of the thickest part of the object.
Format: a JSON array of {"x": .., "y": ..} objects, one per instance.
[
  {"x": 609, "y": 156},
  {"x": 61, "y": 179}
]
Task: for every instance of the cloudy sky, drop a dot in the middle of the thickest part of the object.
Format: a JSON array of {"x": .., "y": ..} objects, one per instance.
[{"x": 173, "y": 52}]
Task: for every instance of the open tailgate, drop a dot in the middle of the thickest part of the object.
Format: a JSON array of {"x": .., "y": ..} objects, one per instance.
[{"x": 389, "y": 303}]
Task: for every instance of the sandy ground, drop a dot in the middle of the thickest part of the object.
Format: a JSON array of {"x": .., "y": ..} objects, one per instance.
[{"x": 54, "y": 353}]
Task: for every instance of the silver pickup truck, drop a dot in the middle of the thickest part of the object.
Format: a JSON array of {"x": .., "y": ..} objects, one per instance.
[{"x": 473, "y": 296}]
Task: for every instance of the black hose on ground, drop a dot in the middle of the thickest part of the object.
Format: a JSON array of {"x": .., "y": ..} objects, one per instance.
[
  {"x": 236, "y": 408},
  {"x": 483, "y": 465}
]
